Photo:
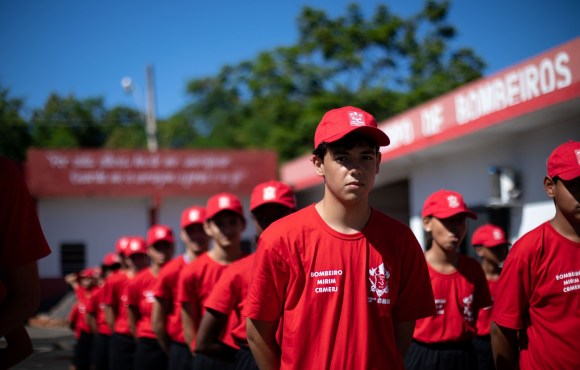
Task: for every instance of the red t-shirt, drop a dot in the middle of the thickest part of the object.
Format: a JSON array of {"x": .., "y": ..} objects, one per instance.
[
  {"x": 115, "y": 295},
  {"x": 458, "y": 298},
  {"x": 539, "y": 292},
  {"x": 140, "y": 294},
  {"x": 484, "y": 317},
  {"x": 96, "y": 306},
  {"x": 83, "y": 298},
  {"x": 228, "y": 297},
  {"x": 339, "y": 295},
  {"x": 195, "y": 283},
  {"x": 165, "y": 287},
  {"x": 21, "y": 237}
]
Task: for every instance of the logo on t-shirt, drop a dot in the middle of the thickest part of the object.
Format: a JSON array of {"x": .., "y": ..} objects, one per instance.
[
  {"x": 379, "y": 278},
  {"x": 149, "y": 296},
  {"x": 467, "y": 309}
]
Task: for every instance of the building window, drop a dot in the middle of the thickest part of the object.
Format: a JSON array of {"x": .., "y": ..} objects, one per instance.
[{"x": 72, "y": 257}]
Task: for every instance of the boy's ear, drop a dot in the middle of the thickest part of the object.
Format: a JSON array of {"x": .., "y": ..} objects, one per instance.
[
  {"x": 318, "y": 165},
  {"x": 427, "y": 224},
  {"x": 378, "y": 162},
  {"x": 478, "y": 250},
  {"x": 549, "y": 186}
]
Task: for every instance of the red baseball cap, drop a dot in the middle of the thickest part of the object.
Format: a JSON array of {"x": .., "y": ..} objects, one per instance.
[
  {"x": 223, "y": 202},
  {"x": 136, "y": 245},
  {"x": 489, "y": 236},
  {"x": 90, "y": 272},
  {"x": 444, "y": 204},
  {"x": 122, "y": 244},
  {"x": 272, "y": 192},
  {"x": 192, "y": 215},
  {"x": 564, "y": 162},
  {"x": 159, "y": 233},
  {"x": 111, "y": 259},
  {"x": 337, "y": 123}
]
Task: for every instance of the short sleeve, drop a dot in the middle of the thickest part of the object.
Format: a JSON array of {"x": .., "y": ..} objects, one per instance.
[
  {"x": 415, "y": 298},
  {"x": 269, "y": 282}
]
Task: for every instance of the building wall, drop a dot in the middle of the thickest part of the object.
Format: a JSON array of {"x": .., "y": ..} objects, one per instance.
[{"x": 95, "y": 222}]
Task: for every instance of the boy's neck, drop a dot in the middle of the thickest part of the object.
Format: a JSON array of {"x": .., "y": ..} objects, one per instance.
[
  {"x": 490, "y": 269},
  {"x": 225, "y": 254},
  {"x": 565, "y": 228},
  {"x": 442, "y": 261},
  {"x": 344, "y": 218}
]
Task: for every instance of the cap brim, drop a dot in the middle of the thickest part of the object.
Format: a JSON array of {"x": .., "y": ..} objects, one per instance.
[
  {"x": 569, "y": 175},
  {"x": 451, "y": 213},
  {"x": 377, "y": 134}
]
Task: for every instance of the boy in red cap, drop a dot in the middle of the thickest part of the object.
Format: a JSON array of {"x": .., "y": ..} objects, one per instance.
[
  {"x": 160, "y": 248},
  {"x": 344, "y": 281},
  {"x": 444, "y": 340},
  {"x": 270, "y": 201},
  {"x": 491, "y": 245},
  {"x": 96, "y": 313},
  {"x": 536, "y": 317},
  {"x": 122, "y": 346},
  {"x": 166, "y": 315},
  {"x": 224, "y": 223},
  {"x": 84, "y": 286}
]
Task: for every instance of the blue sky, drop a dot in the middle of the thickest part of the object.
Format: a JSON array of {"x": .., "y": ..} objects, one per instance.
[{"x": 86, "y": 47}]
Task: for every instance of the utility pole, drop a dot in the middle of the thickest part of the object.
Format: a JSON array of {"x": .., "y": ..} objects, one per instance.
[{"x": 152, "y": 143}]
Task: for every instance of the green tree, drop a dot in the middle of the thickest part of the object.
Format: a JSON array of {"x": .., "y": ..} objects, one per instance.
[
  {"x": 384, "y": 64},
  {"x": 69, "y": 123},
  {"x": 14, "y": 133}
]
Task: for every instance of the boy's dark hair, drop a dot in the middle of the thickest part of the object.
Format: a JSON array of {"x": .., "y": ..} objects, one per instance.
[{"x": 347, "y": 142}]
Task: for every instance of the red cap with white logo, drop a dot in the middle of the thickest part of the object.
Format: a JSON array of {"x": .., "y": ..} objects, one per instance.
[
  {"x": 223, "y": 202},
  {"x": 564, "y": 162},
  {"x": 192, "y": 215},
  {"x": 489, "y": 236},
  {"x": 272, "y": 192},
  {"x": 158, "y": 233},
  {"x": 445, "y": 203},
  {"x": 337, "y": 123}
]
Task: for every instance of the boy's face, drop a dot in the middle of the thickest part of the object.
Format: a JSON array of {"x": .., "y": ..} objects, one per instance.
[
  {"x": 225, "y": 228},
  {"x": 495, "y": 255},
  {"x": 566, "y": 196},
  {"x": 195, "y": 238},
  {"x": 267, "y": 213},
  {"x": 447, "y": 233},
  {"x": 349, "y": 174},
  {"x": 138, "y": 261},
  {"x": 160, "y": 252}
]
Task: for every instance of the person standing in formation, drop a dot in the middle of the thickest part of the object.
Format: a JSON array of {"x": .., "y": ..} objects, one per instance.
[
  {"x": 224, "y": 223},
  {"x": 122, "y": 346},
  {"x": 270, "y": 201},
  {"x": 96, "y": 313},
  {"x": 536, "y": 316},
  {"x": 444, "y": 341},
  {"x": 166, "y": 314},
  {"x": 491, "y": 245},
  {"x": 344, "y": 281},
  {"x": 140, "y": 298}
]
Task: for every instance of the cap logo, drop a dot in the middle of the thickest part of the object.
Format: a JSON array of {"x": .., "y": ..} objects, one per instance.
[
  {"x": 577, "y": 152},
  {"x": 269, "y": 193},
  {"x": 134, "y": 245},
  {"x": 159, "y": 233},
  {"x": 224, "y": 202},
  {"x": 452, "y": 201},
  {"x": 497, "y": 235},
  {"x": 356, "y": 119},
  {"x": 193, "y": 215}
]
